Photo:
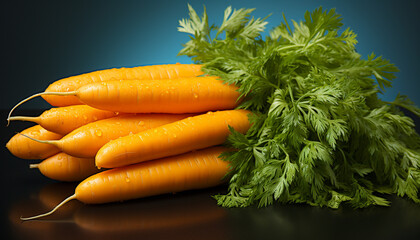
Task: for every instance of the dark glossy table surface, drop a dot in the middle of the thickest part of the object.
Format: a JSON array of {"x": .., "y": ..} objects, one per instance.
[{"x": 188, "y": 215}]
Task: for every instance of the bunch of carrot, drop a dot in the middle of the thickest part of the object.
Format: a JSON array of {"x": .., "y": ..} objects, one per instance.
[{"x": 132, "y": 132}]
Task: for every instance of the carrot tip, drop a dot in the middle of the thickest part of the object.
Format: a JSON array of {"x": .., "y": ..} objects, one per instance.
[
  {"x": 37, "y": 95},
  {"x": 21, "y": 118},
  {"x": 33, "y": 165},
  {"x": 50, "y": 212},
  {"x": 20, "y": 103}
]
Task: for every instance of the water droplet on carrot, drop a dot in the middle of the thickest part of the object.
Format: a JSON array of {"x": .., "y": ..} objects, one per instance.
[
  {"x": 35, "y": 133},
  {"x": 195, "y": 95},
  {"x": 98, "y": 133},
  {"x": 174, "y": 135},
  {"x": 141, "y": 123},
  {"x": 127, "y": 179}
]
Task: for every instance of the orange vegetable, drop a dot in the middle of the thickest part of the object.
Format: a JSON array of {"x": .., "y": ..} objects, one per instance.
[
  {"x": 183, "y": 95},
  {"x": 193, "y": 170},
  {"x": 153, "y": 72},
  {"x": 63, "y": 120},
  {"x": 88, "y": 139},
  {"x": 63, "y": 167},
  {"x": 186, "y": 95},
  {"x": 185, "y": 135},
  {"x": 23, "y": 147}
]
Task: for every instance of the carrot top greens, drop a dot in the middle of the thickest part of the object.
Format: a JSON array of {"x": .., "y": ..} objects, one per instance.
[{"x": 320, "y": 135}]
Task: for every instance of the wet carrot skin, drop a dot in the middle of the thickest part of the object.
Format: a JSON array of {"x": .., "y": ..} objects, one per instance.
[
  {"x": 66, "y": 168},
  {"x": 85, "y": 141},
  {"x": 154, "y": 72},
  {"x": 193, "y": 170},
  {"x": 63, "y": 120},
  {"x": 185, "y": 135},
  {"x": 184, "y": 95},
  {"x": 72, "y": 118}
]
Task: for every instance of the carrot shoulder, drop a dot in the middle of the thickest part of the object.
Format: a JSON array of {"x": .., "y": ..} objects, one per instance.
[
  {"x": 154, "y": 72},
  {"x": 185, "y": 135}
]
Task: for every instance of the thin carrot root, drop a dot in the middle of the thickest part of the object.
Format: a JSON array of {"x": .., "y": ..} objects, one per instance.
[
  {"x": 33, "y": 165},
  {"x": 50, "y": 212},
  {"x": 22, "y": 118},
  {"x": 52, "y": 142},
  {"x": 37, "y": 95}
]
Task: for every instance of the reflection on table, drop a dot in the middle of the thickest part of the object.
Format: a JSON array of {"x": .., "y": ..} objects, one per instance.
[{"x": 183, "y": 215}]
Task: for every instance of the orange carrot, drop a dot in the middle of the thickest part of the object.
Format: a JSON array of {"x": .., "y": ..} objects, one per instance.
[
  {"x": 63, "y": 120},
  {"x": 185, "y": 135},
  {"x": 63, "y": 167},
  {"x": 193, "y": 170},
  {"x": 153, "y": 72},
  {"x": 87, "y": 140},
  {"x": 23, "y": 147},
  {"x": 186, "y": 95},
  {"x": 183, "y": 95}
]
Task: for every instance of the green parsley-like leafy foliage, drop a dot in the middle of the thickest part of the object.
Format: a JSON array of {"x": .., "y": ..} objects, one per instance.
[{"x": 320, "y": 134}]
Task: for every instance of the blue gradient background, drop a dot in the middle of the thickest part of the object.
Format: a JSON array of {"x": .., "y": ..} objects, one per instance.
[{"x": 44, "y": 41}]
